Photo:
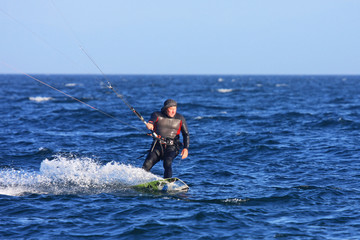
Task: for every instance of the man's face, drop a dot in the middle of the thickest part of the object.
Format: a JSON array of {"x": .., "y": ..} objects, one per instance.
[{"x": 171, "y": 111}]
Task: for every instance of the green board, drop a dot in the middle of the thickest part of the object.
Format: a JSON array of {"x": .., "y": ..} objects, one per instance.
[{"x": 164, "y": 185}]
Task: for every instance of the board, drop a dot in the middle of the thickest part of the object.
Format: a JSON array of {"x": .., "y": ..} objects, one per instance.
[{"x": 164, "y": 185}]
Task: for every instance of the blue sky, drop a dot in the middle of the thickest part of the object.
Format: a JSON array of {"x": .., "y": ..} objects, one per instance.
[{"x": 181, "y": 37}]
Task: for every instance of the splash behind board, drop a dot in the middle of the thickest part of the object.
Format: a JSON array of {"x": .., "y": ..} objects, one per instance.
[{"x": 164, "y": 185}]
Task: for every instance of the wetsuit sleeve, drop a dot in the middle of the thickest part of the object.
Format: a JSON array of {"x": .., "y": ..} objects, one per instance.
[
  {"x": 153, "y": 118},
  {"x": 185, "y": 133}
]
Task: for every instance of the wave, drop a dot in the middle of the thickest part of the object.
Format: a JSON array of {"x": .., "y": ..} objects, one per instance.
[
  {"x": 40, "y": 99},
  {"x": 72, "y": 175},
  {"x": 337, "y": 122},
  {"x": 281, "y": 85},
  {"x": 72, "y": 84},
  {"x": 225, "y": 90}
]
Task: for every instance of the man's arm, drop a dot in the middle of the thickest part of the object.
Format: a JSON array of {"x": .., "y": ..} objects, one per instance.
[
  {"x": 186, "y": 138},
  {"x": 152, "y": 120}
]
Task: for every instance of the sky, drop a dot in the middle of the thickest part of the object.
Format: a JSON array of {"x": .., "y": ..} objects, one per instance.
[{"x": 243, "y": 37}]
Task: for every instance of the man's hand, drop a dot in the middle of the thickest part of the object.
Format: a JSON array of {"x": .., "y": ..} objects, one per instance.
[
  {"x": 184, "y": 153},
  {"x": 150, "y": 126}
]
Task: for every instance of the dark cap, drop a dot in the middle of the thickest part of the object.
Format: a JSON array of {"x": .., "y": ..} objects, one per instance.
[{"x": 169, "y": 103}]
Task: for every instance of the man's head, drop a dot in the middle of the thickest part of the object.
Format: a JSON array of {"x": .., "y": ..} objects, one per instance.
[{"x": 170, "y": 107}]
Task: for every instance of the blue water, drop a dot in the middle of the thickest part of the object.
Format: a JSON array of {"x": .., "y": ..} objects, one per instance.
[{"x": 271, "y": 157}]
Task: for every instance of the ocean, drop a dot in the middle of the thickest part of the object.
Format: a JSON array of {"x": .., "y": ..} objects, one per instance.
[{"x": 270, "y": 157}]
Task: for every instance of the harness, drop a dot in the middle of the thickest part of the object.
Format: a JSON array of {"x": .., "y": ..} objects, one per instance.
[{"x": 164, "y": 142}]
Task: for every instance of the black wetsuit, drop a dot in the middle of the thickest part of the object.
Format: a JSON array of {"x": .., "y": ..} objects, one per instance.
[{"x": 168, "y": 128}]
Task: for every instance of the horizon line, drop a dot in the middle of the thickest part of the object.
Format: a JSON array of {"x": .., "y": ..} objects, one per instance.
[{"x": 194, "y": 74}]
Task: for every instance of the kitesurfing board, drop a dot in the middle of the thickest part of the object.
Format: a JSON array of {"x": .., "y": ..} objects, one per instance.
[{"x": 164, "y": 185}]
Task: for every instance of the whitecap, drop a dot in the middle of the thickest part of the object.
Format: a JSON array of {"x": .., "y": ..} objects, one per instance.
[
  {"x": 40, "y": 99},
  {"x": 225, "y": 90},
  {"x": 71, "y": 85},
  {"x": 235, "y": 200},
  {"x": 281, "y": 85}
]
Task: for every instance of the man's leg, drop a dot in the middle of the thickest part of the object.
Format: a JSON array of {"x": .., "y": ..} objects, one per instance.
[
  {"x": 151, "y": 159},
  {"x": 168, "y": 159}
]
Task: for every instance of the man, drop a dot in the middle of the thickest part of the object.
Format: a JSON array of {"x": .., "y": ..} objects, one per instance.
[{"x": 168, "y": 124}]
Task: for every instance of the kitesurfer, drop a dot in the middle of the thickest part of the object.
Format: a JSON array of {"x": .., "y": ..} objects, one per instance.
[{"x": 167, "y": 124}]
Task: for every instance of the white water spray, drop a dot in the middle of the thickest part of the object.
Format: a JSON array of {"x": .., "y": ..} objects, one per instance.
[{"x": 72, "y": 175}]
